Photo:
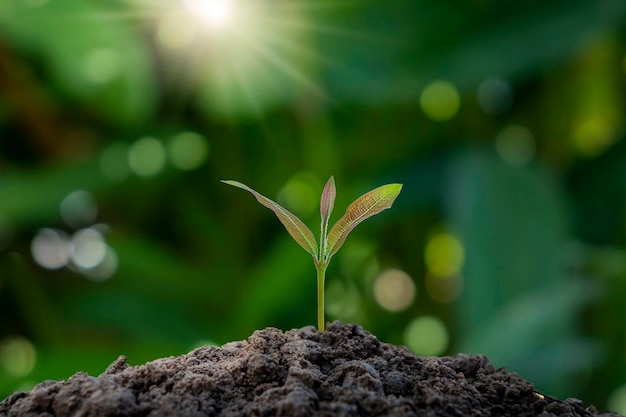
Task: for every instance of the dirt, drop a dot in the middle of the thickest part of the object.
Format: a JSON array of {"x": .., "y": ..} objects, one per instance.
[{"x": 344, "y": 371}]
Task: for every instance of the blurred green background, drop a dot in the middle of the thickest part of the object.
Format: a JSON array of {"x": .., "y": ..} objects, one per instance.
[{"x": 504, "y": 120}]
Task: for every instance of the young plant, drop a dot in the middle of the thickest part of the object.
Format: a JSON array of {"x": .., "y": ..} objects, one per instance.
[{"x": 366, "y": 206}]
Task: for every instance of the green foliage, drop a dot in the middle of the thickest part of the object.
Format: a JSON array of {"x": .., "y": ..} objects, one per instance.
[
  {"x": 510, "y": 236},
  {"x": 364, "y": 207},
  {"x": 94, "y": 59}
]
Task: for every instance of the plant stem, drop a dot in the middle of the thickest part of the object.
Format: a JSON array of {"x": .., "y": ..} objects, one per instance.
[{"x": 321, "y": 278}]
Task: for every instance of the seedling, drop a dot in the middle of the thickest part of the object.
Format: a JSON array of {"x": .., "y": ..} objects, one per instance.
[{"x": 366, "y": 206}]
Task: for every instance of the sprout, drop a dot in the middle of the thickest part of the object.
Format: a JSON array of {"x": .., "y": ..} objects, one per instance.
[{"x": 364, "y": 207}]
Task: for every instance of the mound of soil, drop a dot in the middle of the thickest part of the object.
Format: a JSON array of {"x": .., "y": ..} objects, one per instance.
[{"x": 344, "y": 371}]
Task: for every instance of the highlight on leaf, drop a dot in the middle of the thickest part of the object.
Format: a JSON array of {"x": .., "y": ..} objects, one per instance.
[
  {"x": 327, "y": 203},
  {"x": 362, "y": 208}
]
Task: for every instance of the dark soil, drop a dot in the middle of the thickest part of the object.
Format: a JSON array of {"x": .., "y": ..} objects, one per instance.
[{"x": 344, "y": 371}]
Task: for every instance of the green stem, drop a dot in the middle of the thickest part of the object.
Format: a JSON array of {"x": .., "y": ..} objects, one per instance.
[{"x": 321, "y": 277}]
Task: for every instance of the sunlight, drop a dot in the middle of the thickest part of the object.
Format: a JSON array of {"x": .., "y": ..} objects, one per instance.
[
  {"x": 427, "y": 335},
  {"x": 239, "y": 58},
  {"x": 217, "y": 14},
  {"x": 394, "y": 290},
  {"x": 244, "y": 57}
]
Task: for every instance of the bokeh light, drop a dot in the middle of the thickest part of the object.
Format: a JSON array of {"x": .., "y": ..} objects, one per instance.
[
  {"x": 129, "y": 112},
  {"x": 426, "y": 336},
  {"x": 17, "y": 356},
  {"x": 146, "y": 157},
  {"x": 88, "y": 248},
  {"x": 91, "y": 255},
  {"x": 102, "y": 66},
  {"x": 343, "y": 301},
  {"x": 300, "y": 194},
  {"x": 51, "y": 248},
  {"x": 79, "y": 209},
  {"x": 444, "y": 255},
  {"x": 440, "y": 100},
  {"x": 188, "y": 150},
  {"x": 594, "y": 133},
  {"x": 516, "y": 145},
  {"x": 86, "y": 252},
  {"x": 394, "y": 290},
  {"x": 357, "y": 260},
  {"x": 105, "y": 269},
  {"x": 114, "y": 161}
]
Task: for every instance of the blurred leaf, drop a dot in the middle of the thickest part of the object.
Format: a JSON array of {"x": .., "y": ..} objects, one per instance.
[
  {"x": 533, "y": 321},
  {"x": 99, "y": 59},
  {"x": 559, "y": 367},
  {"x": 536, "y": 337},
  {"x": 512, "y": 223},
  {"x": 441, "y": 41},
  {"x": 517, "y": 299},
  {"x": 30, "y": 197}
]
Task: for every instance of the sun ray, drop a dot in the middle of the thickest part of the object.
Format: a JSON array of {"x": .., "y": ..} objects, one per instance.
[
  {"x": 266, "y": 53},
  {"x": 280, "y": 63},
  {"x": 317, "y": 5},
  {"x": 246, "y": 88},
  {"x": 323, "y": 29},
  {"x": 305, "y": 52}
]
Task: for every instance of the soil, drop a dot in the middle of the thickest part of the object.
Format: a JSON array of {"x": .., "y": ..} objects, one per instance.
[{"x": 344, "y": 371}]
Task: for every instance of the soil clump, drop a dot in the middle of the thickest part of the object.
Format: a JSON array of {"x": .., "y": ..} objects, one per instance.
[{"x": 342, "y": 372}]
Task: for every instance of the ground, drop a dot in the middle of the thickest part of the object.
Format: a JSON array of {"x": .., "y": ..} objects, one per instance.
[{"x": 344, "y": 371}]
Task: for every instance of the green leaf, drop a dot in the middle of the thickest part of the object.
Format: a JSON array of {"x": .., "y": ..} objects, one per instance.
[
  {"x": 107, "y": 68},
  {"x": 295, "y": 227},
  {"x": 327, "y": 203},
  {"x": 364, "y": 207}
]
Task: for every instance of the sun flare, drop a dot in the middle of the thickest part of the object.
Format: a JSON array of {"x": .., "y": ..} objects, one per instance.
[
  {"x": 243, "y": 57},
  {"x": 216, "y": 14}
]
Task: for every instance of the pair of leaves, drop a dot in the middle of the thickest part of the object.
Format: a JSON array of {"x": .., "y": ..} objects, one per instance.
[{"x": 364, "y": 207}]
